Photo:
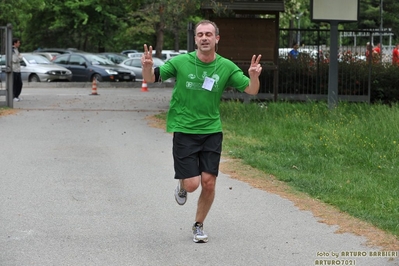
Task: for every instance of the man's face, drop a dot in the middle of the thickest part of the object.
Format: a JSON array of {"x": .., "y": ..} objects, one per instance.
[
  {"x": 205, "y": 37},
  {"x": 17, "y": 44}
]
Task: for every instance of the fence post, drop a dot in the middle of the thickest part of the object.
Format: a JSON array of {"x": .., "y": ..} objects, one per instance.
[
  {"x": 9, "y": 73},
  {"x": 333, "y": 71},
  {"x": 369, "y": 62}
]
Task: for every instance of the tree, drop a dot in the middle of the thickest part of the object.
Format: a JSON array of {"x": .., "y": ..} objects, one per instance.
[
  {"x": 390, "y": 17},
  {"x": 18, "y": 14},
  {"x": 110, "y": 25},
  {"x": 293, "y": 8},
  {"x": 370, "y": 16},
  {"x": 90, "y": 25},
  {"x": 160, "y": 17},
  {"x": 178, "y": 18}
]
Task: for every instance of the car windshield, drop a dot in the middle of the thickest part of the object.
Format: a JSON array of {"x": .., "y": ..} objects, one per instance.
[
  {"x": 99, "y": 60},
  {"x": 2, "y": 60},
  {"x": 36, "y": 59},
  {"x": 115, "y": 57},
  {"x": 157, "y": 62},
  {"x": 134, "y": 55}
]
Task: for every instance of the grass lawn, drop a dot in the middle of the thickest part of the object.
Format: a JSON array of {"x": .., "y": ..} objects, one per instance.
[{"x": 347, "y": 157}]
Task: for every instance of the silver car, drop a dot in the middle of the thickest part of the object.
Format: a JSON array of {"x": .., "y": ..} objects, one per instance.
[
  {"x": 134, "y": 64},
  {"x": 48, "y": 55},
  {"x": 36, "y": 68}
]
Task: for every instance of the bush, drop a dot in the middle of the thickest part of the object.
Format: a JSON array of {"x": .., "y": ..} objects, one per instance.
[{"x": 307, "y": 76}]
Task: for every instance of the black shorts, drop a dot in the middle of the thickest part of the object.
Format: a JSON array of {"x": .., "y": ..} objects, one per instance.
[{"x": 196, "y": 153}]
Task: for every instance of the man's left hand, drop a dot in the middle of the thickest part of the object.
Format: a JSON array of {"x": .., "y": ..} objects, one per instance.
[{"x": 255, "y": 69}]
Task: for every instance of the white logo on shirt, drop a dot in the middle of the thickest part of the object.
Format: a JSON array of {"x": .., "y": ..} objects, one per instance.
[{"x": 216, "y": 77}]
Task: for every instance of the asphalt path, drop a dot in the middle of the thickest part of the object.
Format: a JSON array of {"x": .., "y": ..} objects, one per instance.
[{"x": 84, "y": 180}]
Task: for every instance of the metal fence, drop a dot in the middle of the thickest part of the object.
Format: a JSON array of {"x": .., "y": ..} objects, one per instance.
[
  {"x": 3, "y": 92},
  {"x": 6, "y": 95},
  {"x": 306, "y": 78}
]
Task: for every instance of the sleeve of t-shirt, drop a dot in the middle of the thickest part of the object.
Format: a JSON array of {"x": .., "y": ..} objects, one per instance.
[
  {"x": 167, "y": 71},
  {"x": 237, "y": 79}
]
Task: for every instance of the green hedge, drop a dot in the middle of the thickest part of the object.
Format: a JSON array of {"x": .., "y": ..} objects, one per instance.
[{"x": 307, "y": 76}]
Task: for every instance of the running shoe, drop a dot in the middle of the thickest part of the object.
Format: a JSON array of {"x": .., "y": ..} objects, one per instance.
[
  {"x": 199, "y": 234},
  {"x": 180, "y": 194}
]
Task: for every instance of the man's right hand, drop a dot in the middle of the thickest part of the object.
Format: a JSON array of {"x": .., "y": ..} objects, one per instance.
[
  {"x": 146, "y": 58},
  {"x": 147, "y": 64}
]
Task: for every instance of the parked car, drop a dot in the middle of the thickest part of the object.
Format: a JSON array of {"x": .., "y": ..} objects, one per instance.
[
  {"x": 116, "y": 58},
  {"x": 36, "y": 68},
  {"x": 134, "y": 55},
  {"x": 167, "y": 55},
  {"x": 125, "y": 52},
  {"x": 134, "y": 64},
  {"x": 49, "y": 55},
  {"x": 173, "y": 51},
  {"x": 87, "y": 66},
  {"x": 57, "y": 50}
]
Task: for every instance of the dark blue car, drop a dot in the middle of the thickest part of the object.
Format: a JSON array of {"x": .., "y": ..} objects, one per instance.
[{"x": 86, "y": 67}]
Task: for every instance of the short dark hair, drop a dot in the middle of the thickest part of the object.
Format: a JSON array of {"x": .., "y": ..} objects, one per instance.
[
  {"x": 15, "y": 40},
  {"x": 205, "y": 21}
]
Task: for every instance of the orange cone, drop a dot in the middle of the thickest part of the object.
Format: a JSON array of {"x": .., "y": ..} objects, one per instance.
[
  {"x": 94, "y": 87},
  {"x": 144, "y": 86}
]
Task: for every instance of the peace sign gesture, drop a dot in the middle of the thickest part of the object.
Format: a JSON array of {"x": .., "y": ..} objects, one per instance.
[
  {"x": 255, "y": 69},
  {"x": 147, "y": 63},
  {"x": 146, "y": 58}
]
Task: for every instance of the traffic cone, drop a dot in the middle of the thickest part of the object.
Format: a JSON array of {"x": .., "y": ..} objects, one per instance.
[
  {"x": 144, "y": 86},
  {"x": 94, "y": 87}
]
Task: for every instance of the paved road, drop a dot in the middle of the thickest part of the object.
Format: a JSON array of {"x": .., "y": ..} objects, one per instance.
[{"x": 85, "y": 181}]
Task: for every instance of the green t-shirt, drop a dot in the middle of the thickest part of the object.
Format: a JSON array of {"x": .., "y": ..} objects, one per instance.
[{"x": 194, "y": 109}]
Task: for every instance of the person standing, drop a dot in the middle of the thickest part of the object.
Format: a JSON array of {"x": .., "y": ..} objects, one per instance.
[
  {"x": 194, "y": 115},
  {"x": 369, "y": 52},
  {"x": 16, "y": 68},
  {"x": 293, "y": 54},
  {"x": 377, "y": 54},
  {"x": 395, "y": 55}
]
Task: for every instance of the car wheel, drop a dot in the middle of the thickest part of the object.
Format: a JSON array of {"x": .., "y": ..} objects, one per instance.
[
  {"x": 34, "y": 78},
  {"x": 97, "y": 77}
]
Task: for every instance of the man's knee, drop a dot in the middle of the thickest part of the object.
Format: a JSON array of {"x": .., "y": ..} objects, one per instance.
[
  {"x": 208, "y": 181},
  {"x": 191, "y": 184}
]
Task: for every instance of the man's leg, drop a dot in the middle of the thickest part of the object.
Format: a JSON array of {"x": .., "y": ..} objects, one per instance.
[
  {"x": 209, "y": 159},
  {"x": 184, "y": 186},
  {"x": 15, "y": 85},
  {"x": 208, "y": 183},
  {"x": 19, "y": 85},
  {"x": 191, "y": 184}
]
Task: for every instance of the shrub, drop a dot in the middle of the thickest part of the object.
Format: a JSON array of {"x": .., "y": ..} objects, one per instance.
[{"x": 309, "y": 76}]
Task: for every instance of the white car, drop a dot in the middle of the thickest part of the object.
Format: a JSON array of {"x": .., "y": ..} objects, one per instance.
[
  {"x": 49, "y": 55},
  {"x": 166, "y": 54},
  {"x": 134, "y": 64},
  {"x": 134, "y": 55},
  {"x": 37, "y": 68}
]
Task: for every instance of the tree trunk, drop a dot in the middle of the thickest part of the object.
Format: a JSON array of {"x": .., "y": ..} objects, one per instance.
[
  {"x": 292, "y": 38},
  {"x": 160, "y": 38},
  {"x": 176, "y": 32},
  {"x": 160, "y": 33}
]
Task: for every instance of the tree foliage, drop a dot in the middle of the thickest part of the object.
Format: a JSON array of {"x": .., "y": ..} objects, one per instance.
[
  {"x": 160, "y": 18},
  {"x": 114, "y": 25}
]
